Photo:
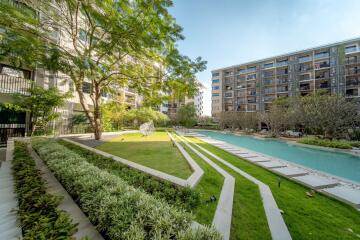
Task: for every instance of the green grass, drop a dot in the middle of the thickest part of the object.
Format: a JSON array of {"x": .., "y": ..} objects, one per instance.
[
  {"x": 317, "y": 217},
  {"x": 248, "y": 220},
  {"x": 155, "y": 151},
  {"x": 342, "y": 144}
]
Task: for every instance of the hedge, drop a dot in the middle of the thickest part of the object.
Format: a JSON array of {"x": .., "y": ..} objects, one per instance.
[
  {"x": 38, "y": 213},
  {"x": 326, "y": 143},
  {"x": 118, "y": 210},
  {"x": 184, "y": 197}
]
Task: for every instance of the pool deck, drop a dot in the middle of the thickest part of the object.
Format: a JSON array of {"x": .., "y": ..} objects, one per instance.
[{"x": 321, "y": 182}]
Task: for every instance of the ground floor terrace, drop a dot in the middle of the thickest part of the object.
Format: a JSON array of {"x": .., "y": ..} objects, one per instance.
[{"x": 179, "y": 185}]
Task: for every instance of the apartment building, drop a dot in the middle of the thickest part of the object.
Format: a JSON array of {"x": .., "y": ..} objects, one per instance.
[
  {"x": 252, "y": 86},
  {"x": 20, "y": 80}
]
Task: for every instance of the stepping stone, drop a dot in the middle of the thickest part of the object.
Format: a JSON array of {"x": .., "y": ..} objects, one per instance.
[
  {"x": 272, "y": 164},
  {"x": 246, "y": 155},
  {"x": 316, "y": 182},
  {"x": 345, "y": 193},
  {"x": 290, "y": 171},
  {"x": 259, "y": 159}
]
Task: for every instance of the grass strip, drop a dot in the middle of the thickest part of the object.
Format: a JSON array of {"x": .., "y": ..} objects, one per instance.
[
  {"x": 318, "y": 217},
  {"x": 118, "y": 210},
  {"x": 38, "y": 213},
  {"x": 182, "y": 197}
]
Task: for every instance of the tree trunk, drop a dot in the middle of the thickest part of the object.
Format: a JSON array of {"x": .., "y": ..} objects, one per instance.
[{"x": 97, "y": 112}]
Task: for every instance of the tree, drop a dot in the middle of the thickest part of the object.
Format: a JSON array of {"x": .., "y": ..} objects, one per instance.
[
  {"x": 146, "y": 114},
  {"x": 113, "y": 115},
  {"x": 41, "y": 104},
  {"x": 186, "y": 115},
  {"x": 112, "y": 44}
]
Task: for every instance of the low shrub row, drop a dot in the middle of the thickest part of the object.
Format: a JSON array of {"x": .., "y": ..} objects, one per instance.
[
  {"x": 183, "y": 197},
  {"x": 326, "y": 142},
  {"x": 118, "y": 210},
  {"x": 38, "y": 213}
]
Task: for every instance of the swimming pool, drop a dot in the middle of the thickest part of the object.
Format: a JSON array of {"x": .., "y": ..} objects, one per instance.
[{"x": 336, "y": 163}]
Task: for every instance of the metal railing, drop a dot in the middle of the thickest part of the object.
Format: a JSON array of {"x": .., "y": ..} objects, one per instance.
[{"x": 10, "y": 84}]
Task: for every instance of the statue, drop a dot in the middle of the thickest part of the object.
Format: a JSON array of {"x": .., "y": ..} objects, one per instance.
[{"x": 147, "y": 128}]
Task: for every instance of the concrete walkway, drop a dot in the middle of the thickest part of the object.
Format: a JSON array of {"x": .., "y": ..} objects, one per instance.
[
  {"x": 9, "y": 227},
  {"x": 85, "y": 228},
  {"x": 275, "y": 220},
  {"x": 223, "y": 213}
]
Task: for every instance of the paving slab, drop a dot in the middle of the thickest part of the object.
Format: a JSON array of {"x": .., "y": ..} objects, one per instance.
[
  {"x": 315, "y": 181},
  {"x": 246, "y": 155},
  {"x": 290, "y": 171},
  {"x": 272, "y": 164},
  {"x": 259, "y": 159},
  {"x": 345, "y": 193}
]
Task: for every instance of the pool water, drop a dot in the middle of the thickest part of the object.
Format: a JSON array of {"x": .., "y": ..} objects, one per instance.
[{"x": 336, "y": 163}]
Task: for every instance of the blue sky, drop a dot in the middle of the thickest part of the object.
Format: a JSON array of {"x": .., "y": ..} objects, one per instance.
[{"x": 229, "y": 32}]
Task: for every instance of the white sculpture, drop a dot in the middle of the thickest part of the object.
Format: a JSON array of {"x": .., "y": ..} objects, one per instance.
[{"x": 147, "y": 128}]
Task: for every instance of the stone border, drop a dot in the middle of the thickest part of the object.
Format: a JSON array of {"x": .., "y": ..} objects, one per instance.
[
  {"x": 276, "y": 223},
  {"x": 223, "y": 213},
  {"x": 85, "y": 227},
  {"x": 150, "y": 171},
  {"x": 9, "y": 225}
]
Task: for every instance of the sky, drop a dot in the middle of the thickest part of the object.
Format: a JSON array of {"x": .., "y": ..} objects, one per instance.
[{"x": 229, "y": 32}]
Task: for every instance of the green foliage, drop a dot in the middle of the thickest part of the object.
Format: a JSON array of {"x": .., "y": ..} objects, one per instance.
[
  {"x": 328, "y": 143},
  {"x": 38, "y": 213},
  {"x": 182, "y": 197},
  {"x": 139, "y": 116},
  {"x": 79, "y": 124},
  {"x": 186, "y": 115},
  {"x": 241, "y": 120},
  {"x": 117, "y": 44},
  {"x": 113, "y": 116},
  {"x": 41, "y": 103},
  {"x": 118, "y": 210}
]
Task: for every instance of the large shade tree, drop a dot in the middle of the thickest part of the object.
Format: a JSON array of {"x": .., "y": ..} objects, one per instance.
[{"x": 109, "y": 43}]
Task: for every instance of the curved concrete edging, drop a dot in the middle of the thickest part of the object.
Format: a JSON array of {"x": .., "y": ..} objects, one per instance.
[
  {"x": 191, "y": 181},
  {"x": 275, "y": 220},
  {"x": 195, "y": 177},
  {"x": 67, "y": 204},
  {"x": 223, "y": 213}
]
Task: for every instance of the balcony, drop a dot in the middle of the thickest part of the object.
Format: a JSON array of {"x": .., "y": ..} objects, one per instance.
[
  {"x": 321, "y": 65},
  {"x": 353, "y": 71},
  {"x": 321, "y": 55},
  {"x": 306, "y": 87},
  {"x": 353, "y": 83},
  {"x": 305, "y": 59},
  {"x": 353, "y": 49},
  {"x": 282, "y": 64},
  {"x": 11, "y": 85},
  {"x": 352, "y": 60}
]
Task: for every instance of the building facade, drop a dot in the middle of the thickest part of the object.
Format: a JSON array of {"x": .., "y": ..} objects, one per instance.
[{"x": 252, "y": 86}]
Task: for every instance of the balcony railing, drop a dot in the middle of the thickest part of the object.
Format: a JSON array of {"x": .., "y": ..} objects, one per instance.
[
  {"x": 353, "y": 72},
  {"x": 321, "y": 55},
  {"x": 10, "y": 84},
  {"x": 282, "y": 64},
  {"x": 352, "y": 50}
]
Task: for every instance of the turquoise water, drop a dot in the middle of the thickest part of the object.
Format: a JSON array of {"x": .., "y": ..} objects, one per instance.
[{"x": 339, "y": 164}]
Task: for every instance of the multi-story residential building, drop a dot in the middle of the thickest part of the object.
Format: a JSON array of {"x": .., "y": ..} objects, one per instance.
[
  {"x": 197, "y": 101},
  {"x": 16, "y": 80},
  {"x": 252, "y": 86}
]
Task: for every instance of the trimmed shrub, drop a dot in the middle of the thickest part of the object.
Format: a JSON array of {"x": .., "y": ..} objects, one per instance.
[
  {"x": 38, "y": 213},
  {"x": 183, "y": 197},
  {"x": 326, "y": 143},
  {"x": 118, "y": 210}
]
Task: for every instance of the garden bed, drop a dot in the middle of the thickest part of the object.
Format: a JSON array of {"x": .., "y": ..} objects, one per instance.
[
  {"x": 183, "y": 197},
  {"x": 118, "y": 210},
  {"x": 38, "y": 213},
  {"x": 341, "y": 144}
]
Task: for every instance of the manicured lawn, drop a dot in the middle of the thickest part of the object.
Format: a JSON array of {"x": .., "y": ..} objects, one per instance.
[
  {"x": 248, "y": 220},
  {"x": 154, "y": 151},
  {"x": 317, "y": 217}
]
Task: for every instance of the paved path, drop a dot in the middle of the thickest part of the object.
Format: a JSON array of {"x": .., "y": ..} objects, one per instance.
[
  {"x": 223, "y": 213},
  {"x": 85, "y": 228},
  {"x": 8, "y": 203},
  {"x": 275, "y": 220}
]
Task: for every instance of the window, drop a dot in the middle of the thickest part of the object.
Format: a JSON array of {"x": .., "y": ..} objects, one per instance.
[
  {"x": 282, "y": 63},
  {"x": 15, "y": 72},
  {"x": 321, "y": 55},
  {"x": 82, "y": 35},
  {"x": 251, "y": 69},
  {"x": 87, "y": 87},
  {"x": 228, "y": 94},
  {"x": 215, "y": 74},
  {"x": 215, "y": 94},
  {"x": 268, "y": 65},
  {"x": 215, "y": 81},
  {"x": 305, "y": 59},
  {"x": 350, "y": 49},
  {"x": 251, "y": 76},
  {"x": 215, "y": 88}
]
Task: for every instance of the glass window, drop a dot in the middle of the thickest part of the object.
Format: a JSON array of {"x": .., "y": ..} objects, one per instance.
[
  {"x": 82, "y": 35},
  {"x": 87, "y": 87},
  {"x": 215, "y": 81},
  {"x": 215, "y": 74},
  {"x": 268, "y": 65},
  {"x": 350, "y": 49},
  {"x": 215, "y": 94},
  {"x": 215, "y": 88}
]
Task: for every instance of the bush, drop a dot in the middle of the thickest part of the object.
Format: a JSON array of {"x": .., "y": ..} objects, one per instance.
[
  {"x": 183, "y": 197},
  {"x": 326, "y": 143},
  {"x": 118, "y": 210},
  {"x": 38, "y": 213}
]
